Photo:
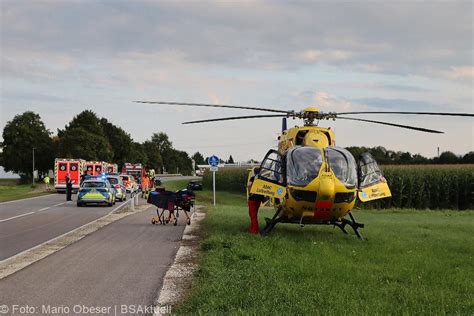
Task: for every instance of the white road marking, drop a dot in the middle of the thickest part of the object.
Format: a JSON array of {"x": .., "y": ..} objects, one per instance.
[
  {"x": 10, "y": 218},
  {"x": 40, "y": 210},
  {"x": 63, "y": 235}
]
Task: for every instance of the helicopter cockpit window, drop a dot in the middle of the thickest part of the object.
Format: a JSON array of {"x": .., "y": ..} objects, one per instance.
[
  {"x": 343, "y": 164},
  {"x": 303, "y": 164}
]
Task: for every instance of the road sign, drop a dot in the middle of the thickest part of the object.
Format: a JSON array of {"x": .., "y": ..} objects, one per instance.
[{"x": 213, "y": 161}]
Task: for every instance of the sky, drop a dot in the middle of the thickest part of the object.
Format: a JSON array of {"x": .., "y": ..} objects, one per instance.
[{"x": 59, "y": 58}]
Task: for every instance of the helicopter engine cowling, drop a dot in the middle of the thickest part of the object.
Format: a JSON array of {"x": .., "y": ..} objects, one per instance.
[{"x": 316, "y": 139}]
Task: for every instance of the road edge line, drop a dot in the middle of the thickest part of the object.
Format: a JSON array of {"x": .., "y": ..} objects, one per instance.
[
  {"x": 29, "y": 256},
  {"x": 179, "y": 275}
]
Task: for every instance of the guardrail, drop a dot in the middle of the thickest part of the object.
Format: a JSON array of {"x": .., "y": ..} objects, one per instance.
[
  {"x": 131, "y": 203},
  {"x": 165, "y": 175}
]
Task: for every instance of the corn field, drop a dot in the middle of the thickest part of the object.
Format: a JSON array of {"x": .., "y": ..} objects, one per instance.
[{"x": 412, "y": 186}]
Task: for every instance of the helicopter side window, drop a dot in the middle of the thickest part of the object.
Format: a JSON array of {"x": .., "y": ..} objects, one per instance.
[
  {"x": 369, "y": 171},
  {"x": 343, "y": 165},
  {"x": 303, "y": 165},
  {"x": 271, "y": 168}
]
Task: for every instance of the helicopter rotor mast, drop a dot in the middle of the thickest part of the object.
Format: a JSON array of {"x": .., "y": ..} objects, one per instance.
[{"x": 309, "y": 115}]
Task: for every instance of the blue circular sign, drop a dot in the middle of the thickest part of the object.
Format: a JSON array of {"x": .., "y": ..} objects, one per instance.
[{"x": 213, "y": 161}]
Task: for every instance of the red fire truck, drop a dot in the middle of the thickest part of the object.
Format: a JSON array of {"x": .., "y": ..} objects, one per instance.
[
  {"x": 135, "y": 169},
  {"x": 75, "y": 168}
]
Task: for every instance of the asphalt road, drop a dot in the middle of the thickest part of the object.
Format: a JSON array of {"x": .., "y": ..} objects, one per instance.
[
  {"x": 122, "y": 264},
  {"x": 30, "y": 222}
]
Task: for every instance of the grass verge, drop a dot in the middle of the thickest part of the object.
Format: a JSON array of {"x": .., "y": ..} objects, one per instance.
[
  {"x": 412, "y": 262},
  {"x": 10, "y": 190}
]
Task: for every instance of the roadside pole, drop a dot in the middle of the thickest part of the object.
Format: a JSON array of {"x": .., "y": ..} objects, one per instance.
[
  {"x": 214, "y": 186},
  {"x": 213, "y": 162},
  {"x": 33, "y": 166}
]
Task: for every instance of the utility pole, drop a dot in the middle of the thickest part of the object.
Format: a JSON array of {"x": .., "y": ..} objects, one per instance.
[{"x": 33, "y": 166}]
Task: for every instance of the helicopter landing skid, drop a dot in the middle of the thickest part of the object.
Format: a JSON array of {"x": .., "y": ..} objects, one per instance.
[
  {"x": 270, "y": 224},
  {"x": 355, "y": 225}
]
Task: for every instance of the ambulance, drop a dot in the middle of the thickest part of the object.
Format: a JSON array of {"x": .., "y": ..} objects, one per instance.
[
  {"x": 112, "y": 168},
  {"x": 63, "y": 166},
  {"x": 95, "y": 168}
]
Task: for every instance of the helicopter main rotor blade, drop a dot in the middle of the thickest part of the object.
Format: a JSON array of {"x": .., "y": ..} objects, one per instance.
[
  {"x": 392, "y": 124},
  {"x": 235, "y": 118},
  {"x": 216, "y": 106},
  {"x": 413, "y": 113}
]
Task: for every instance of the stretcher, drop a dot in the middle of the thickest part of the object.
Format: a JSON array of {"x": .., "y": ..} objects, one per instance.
[{"x": 173, "y": 202}]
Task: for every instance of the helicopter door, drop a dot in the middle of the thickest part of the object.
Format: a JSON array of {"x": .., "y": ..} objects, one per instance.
[
  {"x": 372, "y": 184},
  {"x": 271, "y": 180}
]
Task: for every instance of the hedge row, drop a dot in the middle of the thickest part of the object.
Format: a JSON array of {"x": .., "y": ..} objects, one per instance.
[{"x": 412, "y": 186}]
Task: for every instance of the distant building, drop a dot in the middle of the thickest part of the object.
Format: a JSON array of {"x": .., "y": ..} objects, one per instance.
[{"x": 247, "y": 165}]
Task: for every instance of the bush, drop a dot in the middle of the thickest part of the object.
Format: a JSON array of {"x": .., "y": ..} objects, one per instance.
[{"x": 412, "y": 186}]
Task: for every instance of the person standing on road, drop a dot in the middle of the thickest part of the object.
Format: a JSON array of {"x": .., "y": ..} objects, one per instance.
[
  {"x": 46, "y": 181},
  {"x": 68, "y": 187},
  {"x": 145, "y": 186}
]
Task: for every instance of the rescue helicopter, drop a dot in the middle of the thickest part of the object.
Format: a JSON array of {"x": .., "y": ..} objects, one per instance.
[{"x": 310, "y": 180}]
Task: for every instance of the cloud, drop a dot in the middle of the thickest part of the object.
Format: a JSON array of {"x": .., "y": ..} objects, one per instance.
[
  {"x": 314, "y": 55},
  {"x": 400, "y": 38},
  {"x": 59, "y": 57},
  {"x": 461, "y": 72},
  {"x": 384, "y": 104}
]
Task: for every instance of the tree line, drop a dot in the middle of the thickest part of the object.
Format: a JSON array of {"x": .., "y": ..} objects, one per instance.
[
  {"x": 88, "y": 137},
  {"x": 92, "y": 138},
  {"x": 385, "y": 156}
]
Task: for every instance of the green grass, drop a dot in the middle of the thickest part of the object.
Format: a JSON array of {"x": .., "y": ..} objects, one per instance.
[
  {"x": 412, "y": 262},
  {"x": 10, "y": 190}
]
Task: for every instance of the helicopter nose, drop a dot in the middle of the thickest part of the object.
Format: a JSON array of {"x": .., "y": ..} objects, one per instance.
[{"x": 326, "y": 188}]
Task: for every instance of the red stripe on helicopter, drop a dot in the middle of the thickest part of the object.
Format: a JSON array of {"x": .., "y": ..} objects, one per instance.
[{"x": 322, "y": 209}]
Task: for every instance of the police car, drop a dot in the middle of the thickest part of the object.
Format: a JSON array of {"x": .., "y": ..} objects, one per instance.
[{"x": 96, "y": 191}]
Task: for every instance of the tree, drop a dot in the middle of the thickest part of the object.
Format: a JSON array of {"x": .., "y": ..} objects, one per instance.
[
  {"x": 154, "y": 160},
  {"x": 20, "y": 135},
  {"x": 468, "y": 158},
  {"x": 120, "y": 141},
  {"x": 231, "y": 160},
  {"x": 138, "y": 154},
  {"x": 165, "y": 148},
  {"x": 448, "y": 157},
  {"x": 84, "y": 138},
  {"x": 198, "y": 159},
  {"x": 184, "y": 162}
]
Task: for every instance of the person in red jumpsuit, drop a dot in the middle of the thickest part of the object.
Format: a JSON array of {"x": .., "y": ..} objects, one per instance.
[{"x": 254, "y": 202}]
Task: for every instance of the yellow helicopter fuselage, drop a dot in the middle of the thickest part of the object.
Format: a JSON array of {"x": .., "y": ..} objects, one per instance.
[
  {"x": 323, "y": 199},
  {"x": 300, "y": 203}
]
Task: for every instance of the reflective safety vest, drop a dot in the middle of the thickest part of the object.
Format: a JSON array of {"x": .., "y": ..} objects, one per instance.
[{"x": 145, "y": 183}]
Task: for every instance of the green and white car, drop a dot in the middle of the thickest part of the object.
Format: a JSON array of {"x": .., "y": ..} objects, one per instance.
[{"x": 96, "y": 191}]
